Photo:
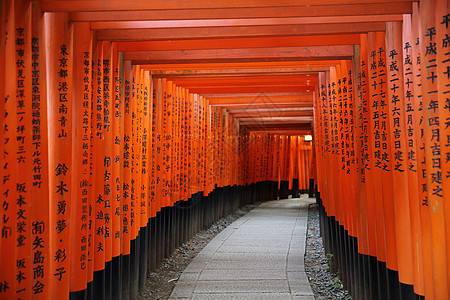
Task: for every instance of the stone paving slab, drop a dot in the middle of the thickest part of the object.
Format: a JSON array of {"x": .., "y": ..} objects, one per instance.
[{"x": 259, "y": 256}]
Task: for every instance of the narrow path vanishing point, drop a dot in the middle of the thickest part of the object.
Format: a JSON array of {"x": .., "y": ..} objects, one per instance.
[{"x": 259, "y": 256}]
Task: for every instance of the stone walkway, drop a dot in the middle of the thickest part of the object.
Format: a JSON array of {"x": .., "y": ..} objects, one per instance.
[{"x": 259, "y": 256}]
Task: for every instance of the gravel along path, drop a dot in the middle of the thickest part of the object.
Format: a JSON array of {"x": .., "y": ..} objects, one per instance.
[
  {"x": 160, "y": 283},
  {"x": 324, "y": 283}
]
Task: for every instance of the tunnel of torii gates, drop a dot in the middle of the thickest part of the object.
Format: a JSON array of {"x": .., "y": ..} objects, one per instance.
[{"x": 128, "y": 127}]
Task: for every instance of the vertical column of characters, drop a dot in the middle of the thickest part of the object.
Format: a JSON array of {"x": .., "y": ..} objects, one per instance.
[
  {"x": 336, "y": 158},
  {"x": 183, "y": 143},
  {"x": 157, "y": 85},
  {"x": 176, "y": 151},
  {"x": 367, "y": 152},
  {"x": 329, "y": 190},
  {"x": 344, "y": 146},
  {"x": 202, "y": 124},
  {"x": 8, "y": 158},
  {"x": 203, "y": 141},
  {"x": 82, "y": 77},
  {"x": 430, "y": 101},
  {"x": 98, "y": 156},
  {"x": 146, "y": 131},
  {"x": 135, "y": 72},
  {"x": 317, "y": 127},
  {"x": 194, "y": 119},
  {"x": 322, "y": 132},
  {"x": 180, "y": 154},
  {"x": 360, "y": 142},
  {"x": 138, "y": 145},
  {"x": 212, "y": 140},
  {"x": 386, "y": 160},
  {"x": 117, "y": 120},
  {"x": 210, "y": 148},
  {"x": 340, "y": 146},
  {"x": 353, "y": 150},
  {"x": 3, "y": 22},
  {"x": 217, "y": 151},
  {"x": 419, "y": 123},
  {"x": 40, "y": 255},
  {"x": 207, "y": 146},
  {"x": 126, "y": 159},
  {"x": 194, "y": 178},
  {"x": 191, "y": 122},
  {"x": 222, "y": 149},
  {"x": 396, "y": 104},
  {"x": 217, "y": 142},
  {"x": 152, "y": 191},
  {"x": 228, "y": 144},
  {"x": 443, "y": 68},
  {"x": 172, "y": 144},
  {"x": 59, "y": 75},
  {"x": 233, "y": 166},
  {"x": 223, "y": 146},
  {"x": 375, "y": 161},
  {"x": 326, "y": 131},
  {"x": 163, "y": 151},
  {"x": 24, "y": 150},
  {"x": 214, "y": 154},
  {"x": 91, "y": 196},
  {"x": 412, "y": 136},
  {"x": 150, "y": 147},
  {"x": 184, "y": 94},
  {"x": 169, "y": 139},
  {"x": 179, "y": 150},
  {"x": 107, "y": 182}
]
